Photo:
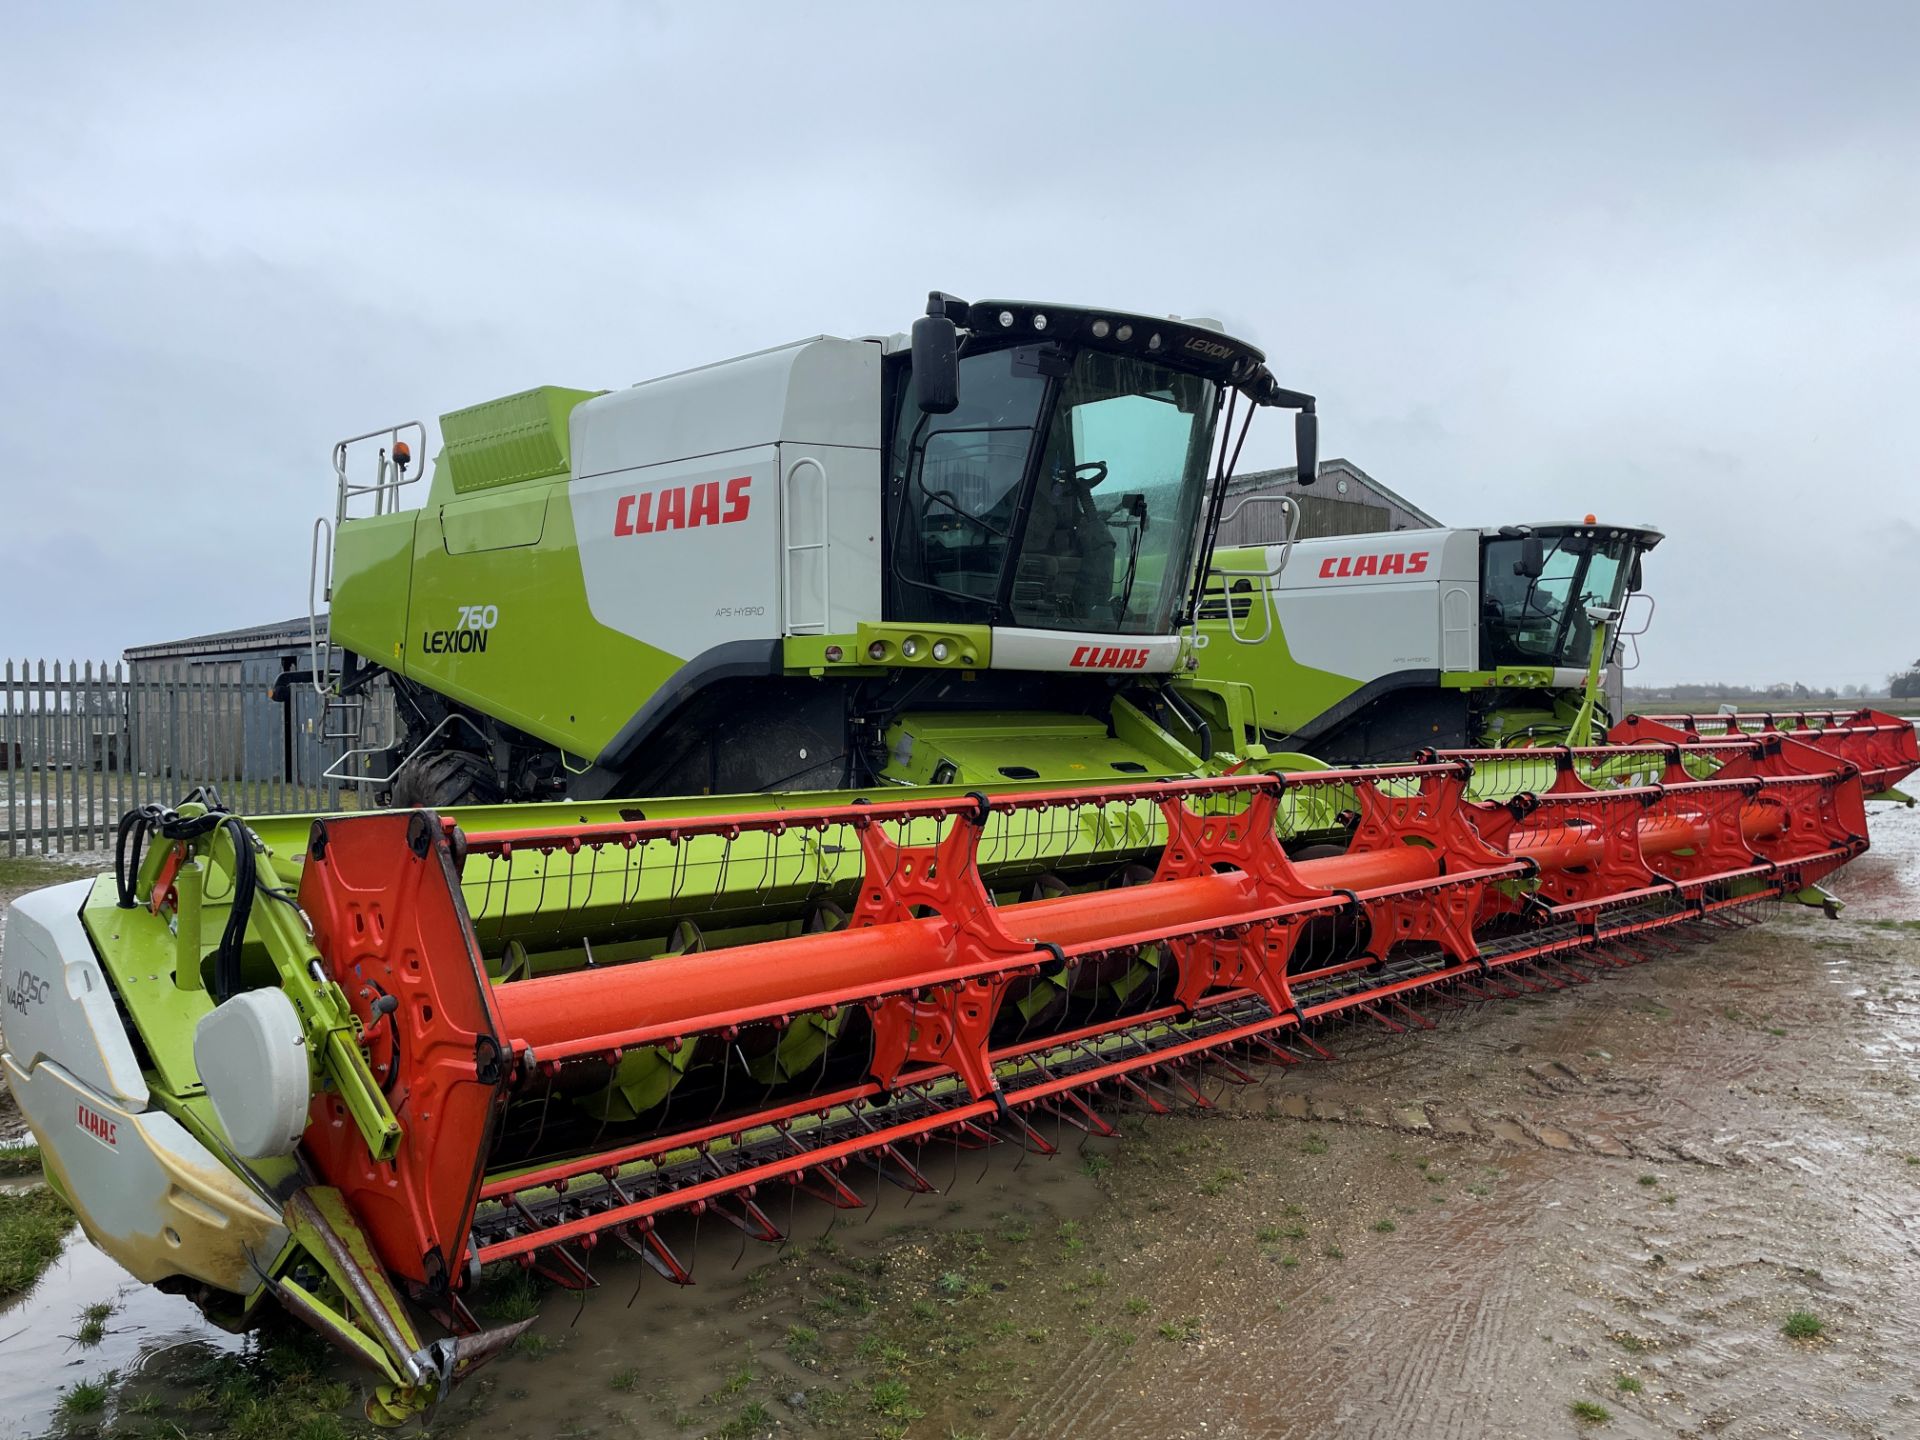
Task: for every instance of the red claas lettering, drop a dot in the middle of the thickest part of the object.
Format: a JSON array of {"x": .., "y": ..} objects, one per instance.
[
  {"x": 683, "y": 507},
  {"x": 1359, "y": 567},
  {"x": 1109, "y": 657}
]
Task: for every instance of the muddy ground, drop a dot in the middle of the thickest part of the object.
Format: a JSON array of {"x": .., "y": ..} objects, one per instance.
[{"x": 1613, "y": 1196}]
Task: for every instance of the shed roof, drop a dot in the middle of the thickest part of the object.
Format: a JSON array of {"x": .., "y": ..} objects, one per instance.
[
  {"x": 249, "y": 639},
  {"x": 1288, "y": 477}
]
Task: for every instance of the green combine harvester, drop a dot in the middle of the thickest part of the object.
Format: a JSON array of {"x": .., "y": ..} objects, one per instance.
[{"x": 981, "y": 557}]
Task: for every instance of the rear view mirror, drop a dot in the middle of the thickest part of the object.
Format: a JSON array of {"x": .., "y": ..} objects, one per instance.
[
  {"x": 936, "y": 361},
  {"x": 1306, "y": 447},
  {"x": 1533, "y": 560}
]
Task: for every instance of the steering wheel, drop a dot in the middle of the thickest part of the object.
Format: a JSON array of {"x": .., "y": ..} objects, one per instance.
[{"x": 1098, "y": 467}]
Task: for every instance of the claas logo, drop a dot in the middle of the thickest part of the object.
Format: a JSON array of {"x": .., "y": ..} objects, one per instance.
[
  {"x": 683, "y": 507},
  {"x": 97, "y": 1125},
  {"x": 1109, "y": 657},
  {"x": 1352, "y": 567}
]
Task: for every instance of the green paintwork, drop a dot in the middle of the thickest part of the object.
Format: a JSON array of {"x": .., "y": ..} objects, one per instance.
[
  {"x": 495, "y": 530},
  {"x": 548, "y": 668},
  {"x": 506, "y": 521},
  {"x": 321, "y": 1223},
  {"x": 1279, "y": 695},
  {"x": 373, "y": 582},
  {"x": 1505, "y": 677},
  {"x": 156, "y": 963},
  {"x": 1034, "y": 746},
  {"x": 969, "y": 647},
  {"x": 1580, "y": 731},
  {"x": 515, "y": 438}
]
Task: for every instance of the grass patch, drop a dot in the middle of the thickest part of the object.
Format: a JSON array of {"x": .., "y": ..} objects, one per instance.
[
  {"x": 754, "y": 1418},
  {"x": 803, "y": 1344},
  {"x": 1628, "y": 1385},
  {"x": 1313, "y": 1145},
  {"x": 1630, "y": 1342},
  {"x": 1591, "y": 1412},
  {"x": 1217, "y": 1183},
  {"x": 735, "y": 1383},
  {"x": 893, "y": 1400},
  {"x": 27, "y": 871},
  {"x": 1385, "y": 1227},
  {"x": 32, "y": 1226},
  {"x": 1803, "y": 1325},
  {"x": 1649, "y": 1180},
  {"x": 20, "y": 1160},
  {"x": 281, "y": 1387},
  {"x": 506, "y": 1295},
  {"x": 85, "y": 1397},
  {"x": 93, "y": 1324}
]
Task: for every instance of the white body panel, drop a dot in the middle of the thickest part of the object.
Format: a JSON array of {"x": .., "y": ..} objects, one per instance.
[
  {"x": 146, "y": 1191},
  {"x": 1017, "y": 648},
  {"x": 1370, "y": 605},
  {"x": 251, "y": 1054},
  {"x": 653, "y": 570},
  {"x": 57, "y": 1003},
  {"x": 739, "y": 501}
]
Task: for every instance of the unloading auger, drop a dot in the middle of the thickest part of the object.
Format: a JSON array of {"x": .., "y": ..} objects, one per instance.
[{"x": 349, "y": 1061}]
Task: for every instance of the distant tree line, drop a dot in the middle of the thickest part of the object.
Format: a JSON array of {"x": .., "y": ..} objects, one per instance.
[
  {"x": 1792, "y": 690},
  {"x": 1905, "y": 685}
]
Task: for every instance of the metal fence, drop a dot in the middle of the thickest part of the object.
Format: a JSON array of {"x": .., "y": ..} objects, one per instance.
[{"x": 82, "y": 743}]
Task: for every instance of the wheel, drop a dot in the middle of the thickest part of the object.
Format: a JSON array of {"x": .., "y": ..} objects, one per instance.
[
  {"x": 446, "y": 777},
  {"x": 1318, "y": 852},
  {"x": 1327, "y": 939}
]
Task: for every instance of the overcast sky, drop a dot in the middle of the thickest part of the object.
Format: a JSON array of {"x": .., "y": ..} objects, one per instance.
[{"x": 1661, "y": 262}]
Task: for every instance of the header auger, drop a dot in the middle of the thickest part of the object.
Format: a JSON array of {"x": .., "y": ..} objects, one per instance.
[{"x": 520, "y": 1035}]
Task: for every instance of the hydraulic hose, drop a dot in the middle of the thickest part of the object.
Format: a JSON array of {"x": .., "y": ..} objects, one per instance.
[{"x": 138, "y": 825}]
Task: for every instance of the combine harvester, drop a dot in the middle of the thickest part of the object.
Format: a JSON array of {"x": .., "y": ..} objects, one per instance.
[{"x": 346, "y": 1062}]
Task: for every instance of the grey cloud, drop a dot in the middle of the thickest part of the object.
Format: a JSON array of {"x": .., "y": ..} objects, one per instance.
[{"x": 1661, "y": 262}]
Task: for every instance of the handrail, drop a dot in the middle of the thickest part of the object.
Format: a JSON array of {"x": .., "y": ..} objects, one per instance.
[
  {"x": 1267, "y": 577},
  {"x": 316, "y": 664},
  {"x": 385, "y": 489},
  {"x": 788, "y": 549}
]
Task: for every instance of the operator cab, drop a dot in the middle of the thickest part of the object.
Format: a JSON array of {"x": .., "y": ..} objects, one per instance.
[
  {"x": 1538, "y": 584},
  {"x": 1066, "y": 484}
]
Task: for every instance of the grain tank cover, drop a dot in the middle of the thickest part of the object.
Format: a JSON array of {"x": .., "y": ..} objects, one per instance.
[{"x": 517, "y": 437}]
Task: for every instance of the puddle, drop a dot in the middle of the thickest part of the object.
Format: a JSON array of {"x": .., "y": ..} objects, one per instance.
[
  {"x": 41, "y": 1357},
  {"x": 1884, "y": 884}
]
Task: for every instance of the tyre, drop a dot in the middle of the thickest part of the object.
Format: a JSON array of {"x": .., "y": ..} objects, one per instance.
[
  {"x": 445, "y": 778},
  {"x": 1327, "y": 939}
]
